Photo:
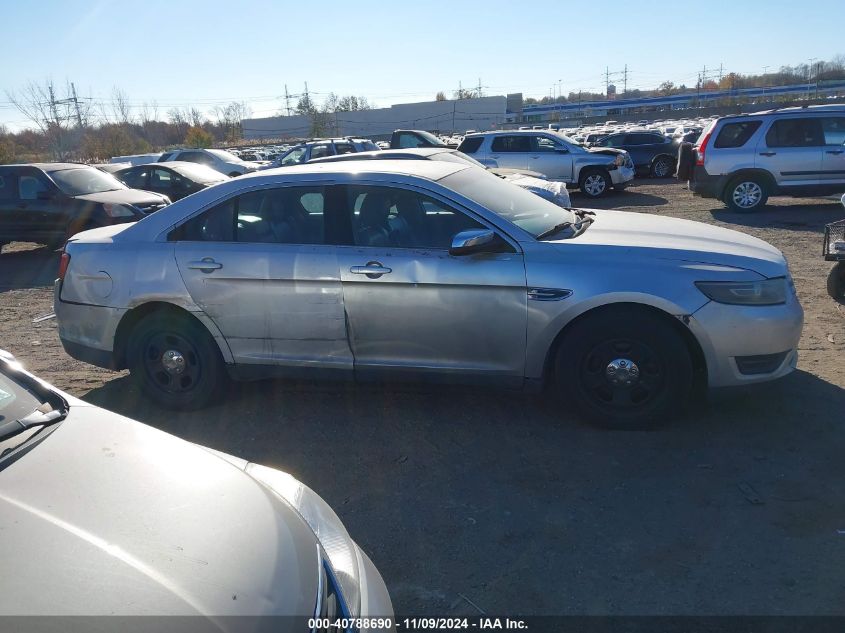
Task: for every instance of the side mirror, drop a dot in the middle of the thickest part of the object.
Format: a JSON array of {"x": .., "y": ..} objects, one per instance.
[
  {"x": 475, "y": 241},
  {"x": 843, "y": 200}
]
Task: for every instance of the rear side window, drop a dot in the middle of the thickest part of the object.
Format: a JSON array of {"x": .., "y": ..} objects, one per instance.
[
  {"x": 795, "y": 133},
  {"x": 8, "y": 188},
  {"x": 471, "y": 145},
  {"x": 512, "y": 144},
  {"x": 736, "y": 134}
]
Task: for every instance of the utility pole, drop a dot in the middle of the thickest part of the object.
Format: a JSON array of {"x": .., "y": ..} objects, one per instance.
[
  {"x": 625, "y": 80},
  {"x": 810, "y": 74},
  {"x": 607, "y": 81},
  {"x": 76, "y": 103},
  {"x": 287, "y": 100},
  {"x": 479, "y": 87},
  {"x": 720, "y": 75}
]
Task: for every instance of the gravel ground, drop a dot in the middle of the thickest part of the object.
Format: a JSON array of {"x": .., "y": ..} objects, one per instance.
[{"x": 478, "y": 497}]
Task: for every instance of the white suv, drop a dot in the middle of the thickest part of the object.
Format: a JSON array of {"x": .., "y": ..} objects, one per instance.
[
  {"x": 219, "y": 159},
  {"x": 555, "y": 156}
]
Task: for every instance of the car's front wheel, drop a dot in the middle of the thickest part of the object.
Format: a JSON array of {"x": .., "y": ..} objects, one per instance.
[
  {"x": 746, "y": 194},
  {"x": 175, "y": 361},
  {"x": 594, "y": 183},
  {"x": 624, "y": 368}
]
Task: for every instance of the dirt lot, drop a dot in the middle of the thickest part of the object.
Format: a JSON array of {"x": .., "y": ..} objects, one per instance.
[{"x": 474, "y": 497}]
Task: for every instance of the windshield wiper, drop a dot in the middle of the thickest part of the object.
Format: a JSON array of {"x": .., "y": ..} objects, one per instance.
[
  {"x": 36, "y": 418},
  {"x": 579, "y": 227}
]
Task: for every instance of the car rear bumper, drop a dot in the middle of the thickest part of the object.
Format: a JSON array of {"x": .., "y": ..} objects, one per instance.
[
  {"x": 706, "y": 185},
  {"x": 87, "y": 332},
  {"x": 748, "y": 344}
]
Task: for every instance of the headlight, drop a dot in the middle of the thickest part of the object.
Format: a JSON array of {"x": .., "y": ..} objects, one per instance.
[
  {"x": 119, "y": 210},
  {"x": 334, "y": 538},
  {"x": 766, "y": 292}
]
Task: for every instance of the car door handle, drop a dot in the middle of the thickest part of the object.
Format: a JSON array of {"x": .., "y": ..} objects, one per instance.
[
  {"x": 835, "y": 151},
  {"x": 206, "y": 265},
  {"x": 767, "y": 153},
  {"x": 373, "y": 270}
]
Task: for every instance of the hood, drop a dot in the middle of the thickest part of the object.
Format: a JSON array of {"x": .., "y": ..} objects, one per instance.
[
  {"x": 109, "y": 516},
  {"x": 134, "y": 197},
  {"x": 684, "y": 240},
  {"x": 610, "y": 151}
]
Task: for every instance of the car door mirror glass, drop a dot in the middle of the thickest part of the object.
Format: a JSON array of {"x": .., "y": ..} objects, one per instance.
[{"x": 474, "y": 241}]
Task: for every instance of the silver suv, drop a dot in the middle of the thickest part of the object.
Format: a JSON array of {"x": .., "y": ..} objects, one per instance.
[
  {"x": 320, "y": 148},
  {"x": 744, "y": 159},
  {"x": 555, "y": 156}
]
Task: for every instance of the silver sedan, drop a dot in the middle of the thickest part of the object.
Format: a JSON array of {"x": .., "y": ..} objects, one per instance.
[{"x": 409, "y": 269}]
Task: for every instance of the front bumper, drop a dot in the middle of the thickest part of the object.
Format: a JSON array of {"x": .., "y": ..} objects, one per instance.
[
  {"x": 736, "y": 339},
  {"x": 622, "y": 175}
]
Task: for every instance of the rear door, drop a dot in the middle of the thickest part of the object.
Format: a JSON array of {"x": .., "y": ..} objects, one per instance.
[
  {"x": 511, "y": 151},
  {"x": 833, "y": 159},
  {"x": 792, "y": 151},
  {"x": 261, "y": 266}
]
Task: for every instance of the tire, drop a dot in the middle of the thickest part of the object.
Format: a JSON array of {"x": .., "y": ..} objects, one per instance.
[
  {"x": 593, "y": 369},
  {"x": 194, "y": 382},
  {"x": 663, "y": 167},
  {"x": 836, "y": 282},
  {"x": 746, "y": 194},
  {"x": 594, "y": 183}
]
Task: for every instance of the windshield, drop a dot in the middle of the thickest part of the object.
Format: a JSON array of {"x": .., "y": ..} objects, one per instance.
[
  {"x": 457, "y": 157},
  {"x": 527, "y": 210},
  {"x": 78, "y": 182},
  {"x": 16, "y": 403},
  {"x": 223, "y": 154},
  {"x": 292, "y": 157},
  {"x": 201, "y": 173}
]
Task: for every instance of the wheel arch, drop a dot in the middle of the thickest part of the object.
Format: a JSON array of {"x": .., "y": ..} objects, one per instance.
[
  {"x": 696, "y": 352},
  {"x": 138, "y": 313},
  {"x": 767, "y": 178}
]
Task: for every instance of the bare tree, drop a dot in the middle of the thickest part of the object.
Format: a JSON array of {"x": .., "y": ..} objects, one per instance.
[{"x": 120, "y": 107}]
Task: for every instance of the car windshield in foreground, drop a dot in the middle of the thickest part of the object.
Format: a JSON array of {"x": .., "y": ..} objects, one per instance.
[
  {"x": 83, "y": 180},
  {"x": 23, "y": 411},
  {"x": 527, "y": 210}
]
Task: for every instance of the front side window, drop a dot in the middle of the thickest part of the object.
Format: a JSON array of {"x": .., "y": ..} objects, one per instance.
[
  {"x": 392, "y": 217},
  {"x": 795, "y": 133},
  {"x": 834, "y": 130},
  {"x": 286, "y": 215},
  {"x": 471, "y": 145},
  {"x": 319, "y": 151},
  {"x": 135, "y": 178},
  {"x": 344, "y": 148},
  {"x": 521, "y": 143},
  {"x": 29, "y": 187},
  {"x": 293, "y": 157},
  {"x": 544, "y": 144}
]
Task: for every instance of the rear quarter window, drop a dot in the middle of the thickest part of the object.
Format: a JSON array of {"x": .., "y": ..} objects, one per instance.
[
  {"x": 471, "y": 145},
  {"x": 736, "y": 134}
]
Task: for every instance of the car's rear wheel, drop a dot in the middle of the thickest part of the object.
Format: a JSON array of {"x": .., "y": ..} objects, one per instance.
[
  {"x": 594, "y": 183},
  {"x": 624, "y": 368},
  {"x": 175, "y": 361},
  {"x": 663, "y": 167},
  {"x": 836, "y": 282},
  {"x": 746, "y": 194}
]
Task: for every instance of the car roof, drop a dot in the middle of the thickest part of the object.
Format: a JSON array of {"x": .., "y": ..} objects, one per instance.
[
  {"x": 175, "y": 165},
  {"x": 431, "y": 170},
  {"x": 384, "y": 154},
  {"x": 509, "y": 132},
  {"x": 49, "y": 167}
]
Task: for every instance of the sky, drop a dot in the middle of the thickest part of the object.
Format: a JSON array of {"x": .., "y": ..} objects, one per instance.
[{"x": 183, "y": 53}]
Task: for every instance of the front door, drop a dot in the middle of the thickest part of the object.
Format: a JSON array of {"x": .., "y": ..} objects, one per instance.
[
  {"x": 412, "y": 307},
  {"x": 511, "y": 151},
  {"x": 551, "y": 158},
  {"x": 833, "y": 159},
  {"x": 260, "y": 267}
]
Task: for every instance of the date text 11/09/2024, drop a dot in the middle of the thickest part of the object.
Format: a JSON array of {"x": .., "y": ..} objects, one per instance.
[{"x": 412, "y": 624}]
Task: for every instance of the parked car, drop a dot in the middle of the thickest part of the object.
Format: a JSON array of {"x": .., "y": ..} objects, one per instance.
[
  {"x": 407, "y": 139},
  {"x": 392, "y": 270},
  {"x": 310, "y": 150},
  {"x": 48, "y": 202},
  {"x": 218, "y": 159},
  {"x": 652, "y": 153},
  {"x": 535, "y": 182},
  {"x": 743, "y": 159},
  {"x": 136, "y": 159},
  {"x": 554, "y": 155},
  {"x": 165, "y": 527},
  {"x": 175, "y": 179}
]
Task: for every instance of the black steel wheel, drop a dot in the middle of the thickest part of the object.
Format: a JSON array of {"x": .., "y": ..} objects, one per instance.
[
  {"x": 624, "y": 368},
  {"x": 175, "y": 361}
]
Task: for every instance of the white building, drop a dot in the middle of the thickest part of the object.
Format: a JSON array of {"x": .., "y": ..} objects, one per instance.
[{"x": 484, "y": 113}]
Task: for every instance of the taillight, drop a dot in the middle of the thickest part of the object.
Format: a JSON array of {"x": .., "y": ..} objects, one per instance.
[
  {"x": 701, "y": 148},
  {"x": 63, "y": 264}
]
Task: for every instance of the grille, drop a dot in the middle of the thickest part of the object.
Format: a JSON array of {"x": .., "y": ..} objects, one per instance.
[
  {"x": 763, "y": 364},
  {"x": 834, "y": 241}
]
